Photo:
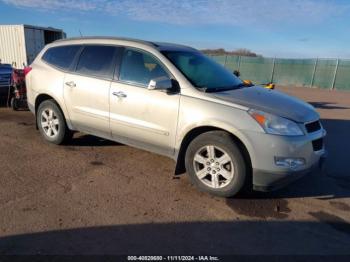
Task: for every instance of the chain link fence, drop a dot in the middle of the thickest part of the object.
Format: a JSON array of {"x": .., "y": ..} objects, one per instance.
[{"x": 320, "y": 73}]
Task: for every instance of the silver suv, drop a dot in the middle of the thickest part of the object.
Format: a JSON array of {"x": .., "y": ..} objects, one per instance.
[{"x": 173, "y": 100}]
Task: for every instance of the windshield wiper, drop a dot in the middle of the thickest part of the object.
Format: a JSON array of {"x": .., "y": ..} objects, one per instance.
[
  {"x": 220, "y": 89},
  {"x": 223, "y": 89}
]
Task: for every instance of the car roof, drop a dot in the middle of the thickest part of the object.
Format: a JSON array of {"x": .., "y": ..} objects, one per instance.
[{"x": 161, "y": 46}]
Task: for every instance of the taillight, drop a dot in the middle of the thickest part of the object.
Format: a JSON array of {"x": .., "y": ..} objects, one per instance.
[{"x": 26, "y": 70}]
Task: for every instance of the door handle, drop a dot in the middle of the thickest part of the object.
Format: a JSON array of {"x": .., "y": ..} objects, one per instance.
[
  {"x": 71, "y": 84},
  {"x": 119, "y": 94}
]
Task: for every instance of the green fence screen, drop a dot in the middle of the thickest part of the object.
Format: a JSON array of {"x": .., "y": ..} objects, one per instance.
[
  {"x": 342, "y": 77},
  {"x": 321, "y": 73},
  {"x": 324, "y": 73}
]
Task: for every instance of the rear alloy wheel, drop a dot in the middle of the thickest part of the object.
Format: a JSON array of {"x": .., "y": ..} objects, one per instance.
[
  {"x": 52, "y": 124},
  {"x": 215, "y": 164}
]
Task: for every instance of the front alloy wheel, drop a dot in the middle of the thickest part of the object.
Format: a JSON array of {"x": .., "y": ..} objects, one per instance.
[{"x": 213, "y": 166}]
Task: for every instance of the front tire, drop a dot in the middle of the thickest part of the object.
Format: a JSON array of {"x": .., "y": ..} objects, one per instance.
[
  {"x": 215, "y": 164},
  {"x": 52, "y": 124}
]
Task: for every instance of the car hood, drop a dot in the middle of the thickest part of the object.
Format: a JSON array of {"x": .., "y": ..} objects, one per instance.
[{"x": 271, "y": 101}]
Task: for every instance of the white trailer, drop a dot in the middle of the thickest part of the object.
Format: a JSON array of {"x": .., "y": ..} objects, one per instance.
[{"x": 19, "y": 44}]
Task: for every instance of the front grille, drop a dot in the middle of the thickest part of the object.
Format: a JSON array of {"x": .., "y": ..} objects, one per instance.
[
  {"x": 317, "y": 144},
  {"x": 313, "y": 126}
]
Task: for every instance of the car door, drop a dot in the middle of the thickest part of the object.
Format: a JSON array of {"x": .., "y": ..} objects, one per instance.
[
  {"x": 138, "y": 116},
  {"x": 86, "y": 90}
]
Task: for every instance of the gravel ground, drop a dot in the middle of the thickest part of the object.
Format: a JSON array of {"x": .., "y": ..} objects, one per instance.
[{"x": 99, "y": 197}]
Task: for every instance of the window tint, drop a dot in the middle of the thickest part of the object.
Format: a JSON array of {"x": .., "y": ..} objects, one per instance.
[
  {"x": 203, "y": 72},
  {"x": 61, "y": 56},
  {"x": 97, "y": 61},
  {"x": 140, "y": 68}
]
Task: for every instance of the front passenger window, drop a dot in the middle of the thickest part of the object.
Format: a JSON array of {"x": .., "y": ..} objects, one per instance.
[{"x": 140, "y": 68}]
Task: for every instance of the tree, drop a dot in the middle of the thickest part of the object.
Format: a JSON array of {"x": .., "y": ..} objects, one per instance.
[{"x": 222, "y": 51}]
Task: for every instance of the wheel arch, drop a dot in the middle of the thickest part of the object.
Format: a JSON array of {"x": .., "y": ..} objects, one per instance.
[
  {"x": 193, "y": 133},
  {"x": 43, "y": 97}
]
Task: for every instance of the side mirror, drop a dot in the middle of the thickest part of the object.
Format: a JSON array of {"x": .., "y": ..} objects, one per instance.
[{"x": 160, "y": 83}]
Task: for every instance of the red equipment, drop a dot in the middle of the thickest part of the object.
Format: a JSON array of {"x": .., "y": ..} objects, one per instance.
[{"x": 19, "y": 91}]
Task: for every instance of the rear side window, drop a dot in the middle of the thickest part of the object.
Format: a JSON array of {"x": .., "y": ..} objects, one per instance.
[
  {"x": 61, "y": 56},
  {"x": 97, "y": 61}
]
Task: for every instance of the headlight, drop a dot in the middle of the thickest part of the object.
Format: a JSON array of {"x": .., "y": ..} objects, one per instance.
[{"x": 276, "y": 125}]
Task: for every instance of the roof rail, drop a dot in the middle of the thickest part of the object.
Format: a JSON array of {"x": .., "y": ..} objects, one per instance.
[{"x": 109, "y": 38}]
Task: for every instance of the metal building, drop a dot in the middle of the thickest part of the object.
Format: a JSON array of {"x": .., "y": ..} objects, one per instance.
[{"x": 19, "y": 44}]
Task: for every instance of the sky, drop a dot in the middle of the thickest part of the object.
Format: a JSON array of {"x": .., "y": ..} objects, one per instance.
[{"x": 272, "y": 28}]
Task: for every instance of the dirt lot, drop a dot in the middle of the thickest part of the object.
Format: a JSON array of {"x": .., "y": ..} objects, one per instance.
[{"x": 98, "y": 197}]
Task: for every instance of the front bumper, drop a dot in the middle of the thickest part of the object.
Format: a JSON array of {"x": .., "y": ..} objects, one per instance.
[
  {"x": 267, "y": 175},
  {"x": 269, "y": 181}
]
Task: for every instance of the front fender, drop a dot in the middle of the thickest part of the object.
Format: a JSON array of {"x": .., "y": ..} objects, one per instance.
[
  {"x": 215, "y": 124},
  {"x": 198, "y": 112}
]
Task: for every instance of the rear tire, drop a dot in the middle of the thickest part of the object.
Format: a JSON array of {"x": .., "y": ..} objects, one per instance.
[
  {"x": 52, "y": 123},
  {"x": 215, "y": 164}
]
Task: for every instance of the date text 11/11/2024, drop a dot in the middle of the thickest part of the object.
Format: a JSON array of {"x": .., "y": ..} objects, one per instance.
[{"x": 173, "y": 258}]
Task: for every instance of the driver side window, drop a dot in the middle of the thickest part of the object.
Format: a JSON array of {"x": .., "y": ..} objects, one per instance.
[{"x": 140, "y": 68}]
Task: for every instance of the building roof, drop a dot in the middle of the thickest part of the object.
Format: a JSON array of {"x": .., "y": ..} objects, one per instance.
[{"x": 37, "y": 27}]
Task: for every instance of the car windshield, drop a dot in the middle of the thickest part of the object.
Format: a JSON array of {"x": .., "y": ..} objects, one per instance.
[{"x": 203, "y": 72}]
